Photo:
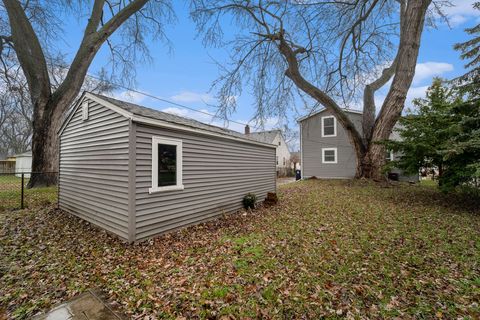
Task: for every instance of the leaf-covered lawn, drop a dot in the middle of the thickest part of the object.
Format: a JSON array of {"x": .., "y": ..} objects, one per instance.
[{"x": 329, "y": 248}]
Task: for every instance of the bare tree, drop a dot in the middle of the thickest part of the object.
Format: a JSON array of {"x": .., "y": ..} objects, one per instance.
[
  {"x": 16, "y": 109},
  {"x": 329, "y": 51},
  {"x": 28, "y": 28}
]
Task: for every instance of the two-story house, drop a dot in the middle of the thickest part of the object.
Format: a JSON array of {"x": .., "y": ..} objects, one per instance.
[{"x": 326, "y": 151}]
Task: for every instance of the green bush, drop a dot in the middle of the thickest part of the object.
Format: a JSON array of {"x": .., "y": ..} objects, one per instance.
[{"x": 249, "y": 201}]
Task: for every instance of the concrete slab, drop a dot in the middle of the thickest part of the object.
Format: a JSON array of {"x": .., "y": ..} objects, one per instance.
[
  {"x": 87, "y": 306},
  {"x": 282, "y": 181}
]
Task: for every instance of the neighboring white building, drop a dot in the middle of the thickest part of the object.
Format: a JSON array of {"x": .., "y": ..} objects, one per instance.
[
  {"x": 23, "y": 163},
  {"x": 274, "y": 137}
]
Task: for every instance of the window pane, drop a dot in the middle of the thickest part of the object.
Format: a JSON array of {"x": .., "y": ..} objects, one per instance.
[
  {"x": 328, "y": 126},
  {"x": 327, "y": 122},
  {"x": 167, "y": 165},
  {"x": 329, "y": 155}
]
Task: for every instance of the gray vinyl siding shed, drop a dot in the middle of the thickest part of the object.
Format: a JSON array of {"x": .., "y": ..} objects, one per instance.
[{"x": 106, "y": 169}]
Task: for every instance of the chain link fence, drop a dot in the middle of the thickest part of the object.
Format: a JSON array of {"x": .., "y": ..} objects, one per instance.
[{"x": 16, "y": 194}]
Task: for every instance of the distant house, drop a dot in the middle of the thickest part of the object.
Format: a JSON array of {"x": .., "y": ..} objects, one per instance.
[
  {"x": 326, "y": 151},
  {"x": 23, "y": 164},
  {"x": 7, "y": 165},
  {"x": 138, "y": 172},
  {"x": 275, "y": 137}
]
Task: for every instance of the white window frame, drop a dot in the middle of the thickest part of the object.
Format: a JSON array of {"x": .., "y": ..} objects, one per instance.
[
  {"x": 173, "y": 142},
  {"x": 390, "y": 156},
  {"x": 329, "y": 149},
  {"x": 334, "y": 127},
  {"x": 85, "y": 110}
]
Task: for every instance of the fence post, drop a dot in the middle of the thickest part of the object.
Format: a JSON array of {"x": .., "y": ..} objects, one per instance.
[{"x": 23, "y": 184}]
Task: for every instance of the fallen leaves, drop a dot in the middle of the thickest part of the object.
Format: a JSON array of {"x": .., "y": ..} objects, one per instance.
[{"x": 328, "y": 249}]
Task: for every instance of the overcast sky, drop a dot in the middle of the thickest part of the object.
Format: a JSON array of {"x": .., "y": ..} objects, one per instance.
[{"x": 185, "y": 75}]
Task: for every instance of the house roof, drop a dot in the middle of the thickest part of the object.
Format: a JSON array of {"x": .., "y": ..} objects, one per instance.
[
  {"x": 158, "y": 118},
  {"x": 264, "y": 136},
  {"x": 25, "y": 154},
  {"x": 323, "y": 109}
]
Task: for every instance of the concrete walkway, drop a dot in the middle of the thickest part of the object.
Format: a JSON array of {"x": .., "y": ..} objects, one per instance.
[
  {"x": 87, "y": 306},
  {"x": 281, "y": 181}
]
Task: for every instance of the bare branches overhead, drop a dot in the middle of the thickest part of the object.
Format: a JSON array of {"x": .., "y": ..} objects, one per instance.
[{"x": 329, "y": 51}]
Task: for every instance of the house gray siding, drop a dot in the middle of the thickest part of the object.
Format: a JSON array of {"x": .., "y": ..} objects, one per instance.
[
  {"x": 93, "y": 180},
  {"x": 312, "y": 143},
  {"x": 217, "y": 173}
]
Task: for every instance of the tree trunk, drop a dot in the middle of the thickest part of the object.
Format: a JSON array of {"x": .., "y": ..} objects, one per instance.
[
  {"x": 373, "y": 161},
  {"x": 45, "y": 145}
]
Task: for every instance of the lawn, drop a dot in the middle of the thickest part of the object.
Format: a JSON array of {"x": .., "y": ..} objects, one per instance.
[
  {"x": 11, "y": 189},
  {"x": 329, "y": 249}
]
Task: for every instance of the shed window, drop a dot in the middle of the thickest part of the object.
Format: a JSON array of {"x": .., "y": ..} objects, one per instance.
[
  {"x": 166, "y": 164},
  {"x": 329, "y": 155},
  {"x": 329, "y": 126}
]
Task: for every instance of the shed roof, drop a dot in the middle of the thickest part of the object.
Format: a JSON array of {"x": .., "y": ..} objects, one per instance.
[{"x": 142, "y": 114}]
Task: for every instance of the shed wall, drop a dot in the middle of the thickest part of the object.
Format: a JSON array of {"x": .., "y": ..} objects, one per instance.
[
  {"x": 217, "y": 173},
  {"x": 93, "y": 180}
]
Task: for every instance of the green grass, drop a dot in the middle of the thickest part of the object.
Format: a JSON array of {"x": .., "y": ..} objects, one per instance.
[
  {"x": 429, "y": 183},
  {"x": 10, "y": 194},
  {"x": 329, "y": 249}
]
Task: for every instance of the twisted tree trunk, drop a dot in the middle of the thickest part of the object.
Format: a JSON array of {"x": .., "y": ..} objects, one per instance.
[
  {"x": 410, "y": 38},
  {"x": 370, "y": 154}
]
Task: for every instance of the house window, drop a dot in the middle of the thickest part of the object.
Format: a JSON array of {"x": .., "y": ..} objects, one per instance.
[
  {"x": 389, "y": 156},
  {"x": 284, "y": 161},
  {"x": 166, "y": 164},
  {"x": 329, "y": 126},
  {"x": 85, "y": 110},
  {"x": 329, "y": 155},
  {"x": 279, "y": 143},
  {"x": 277, "y": 160}
]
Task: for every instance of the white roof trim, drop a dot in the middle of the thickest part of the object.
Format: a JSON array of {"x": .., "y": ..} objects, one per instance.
[
  {"x": 321, "y": 110},
  {"x": 156, "y": 122}
]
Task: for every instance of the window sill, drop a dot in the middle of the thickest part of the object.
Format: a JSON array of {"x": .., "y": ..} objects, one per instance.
[{"x": 167, "y": 188}]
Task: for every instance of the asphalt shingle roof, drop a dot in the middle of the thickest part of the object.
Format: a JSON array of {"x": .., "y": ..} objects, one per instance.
[
  {"x": 168, "y": 117},
  {"x": 264, "y": 136}
]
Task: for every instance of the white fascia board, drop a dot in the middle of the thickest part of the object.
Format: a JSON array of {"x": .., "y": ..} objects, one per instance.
[
  {"x": 169, "y": 125},
  {"x": 321, "y": 110},
  {"x": 96, "y": 99}
]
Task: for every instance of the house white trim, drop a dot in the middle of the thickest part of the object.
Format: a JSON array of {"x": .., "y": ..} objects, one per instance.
[
  {"x": 334, "y": 127},
  {"x": 85, "y": 110},
  {"x": 179, "y": 164},
  {"x": 301, "y": 152},
  {"x": 323, "y": 109},
  {"x": 329, "y": 149}
]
